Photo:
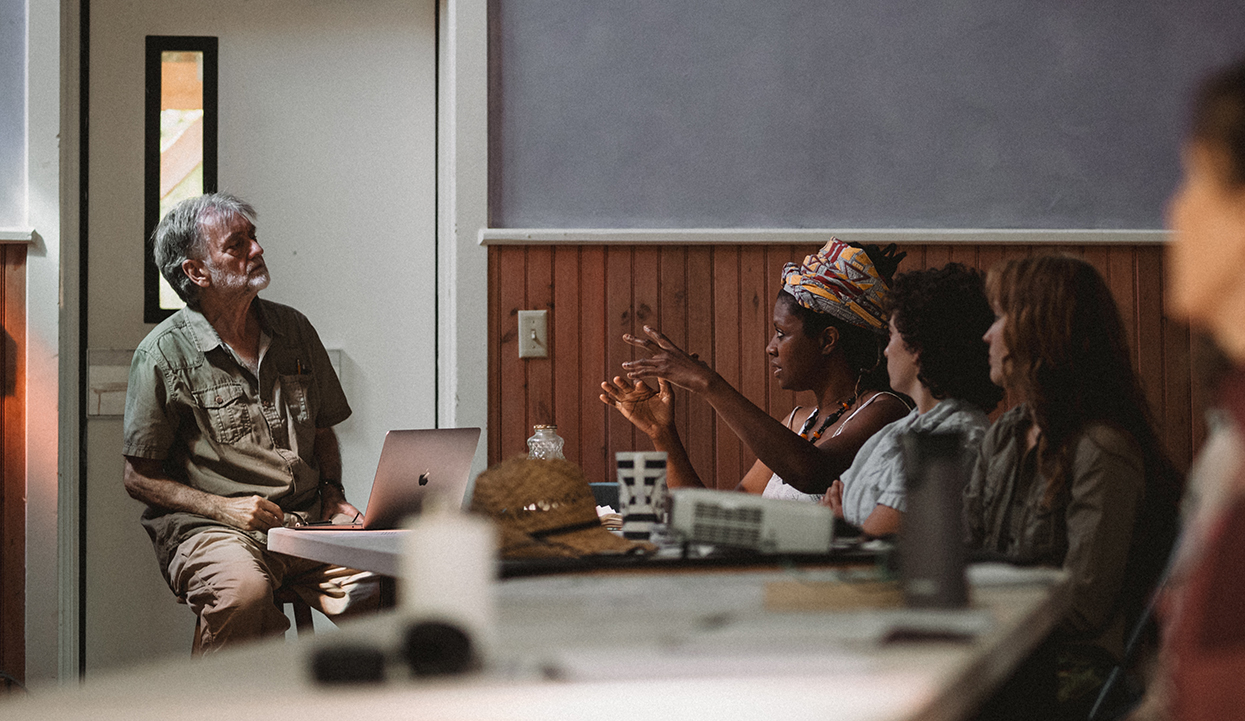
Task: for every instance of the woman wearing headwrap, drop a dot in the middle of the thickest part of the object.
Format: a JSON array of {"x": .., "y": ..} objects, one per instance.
[{"x": 830, "y": 324}]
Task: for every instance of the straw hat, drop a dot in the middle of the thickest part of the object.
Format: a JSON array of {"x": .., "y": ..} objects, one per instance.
[{"x": 544, "y": 509}]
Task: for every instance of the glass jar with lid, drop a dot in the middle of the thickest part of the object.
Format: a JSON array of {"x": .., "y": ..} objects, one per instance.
[{"x": 545, "y": 443}]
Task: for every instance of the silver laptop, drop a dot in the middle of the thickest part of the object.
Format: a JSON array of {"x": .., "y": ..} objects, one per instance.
[{"x": 414, "y": 465}]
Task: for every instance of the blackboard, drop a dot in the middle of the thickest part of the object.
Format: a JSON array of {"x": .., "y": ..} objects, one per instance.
[
  {"x": 942, "y": 114},
  {"x": 12, "y": 115}
]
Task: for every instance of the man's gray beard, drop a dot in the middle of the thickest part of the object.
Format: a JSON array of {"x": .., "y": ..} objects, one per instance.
[{"x": 227, "y": 284}]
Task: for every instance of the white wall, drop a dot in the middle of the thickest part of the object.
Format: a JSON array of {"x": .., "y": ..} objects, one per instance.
[
  {"x": 327, "y": 120},
  {"x": 53, "y": 405},
  {"x": 45, "y": 328}
]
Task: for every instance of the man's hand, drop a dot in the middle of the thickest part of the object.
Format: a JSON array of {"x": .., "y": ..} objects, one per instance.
[
  {"x": 250, "y": 513},
  {"x": 334, "y": 506},
  {"x": 146, "y": 481}
]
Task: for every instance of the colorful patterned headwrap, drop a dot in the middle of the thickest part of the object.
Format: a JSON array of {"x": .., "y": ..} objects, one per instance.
[{"x": 841, "y": 280}]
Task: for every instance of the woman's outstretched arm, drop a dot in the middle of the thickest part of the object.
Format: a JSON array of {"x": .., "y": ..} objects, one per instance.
[
  {"x": 653, "y": 414},
  {"x": 799, "y": 463}
]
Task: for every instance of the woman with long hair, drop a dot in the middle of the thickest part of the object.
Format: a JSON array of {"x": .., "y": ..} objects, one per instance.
[
  {"x": 829, "y": 323},
  {"x": 1075, "y": 475},
  {"x": 935, "y": 356}
]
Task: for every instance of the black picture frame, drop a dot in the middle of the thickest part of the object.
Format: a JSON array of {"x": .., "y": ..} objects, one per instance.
[{"x": 157, "y": 45}]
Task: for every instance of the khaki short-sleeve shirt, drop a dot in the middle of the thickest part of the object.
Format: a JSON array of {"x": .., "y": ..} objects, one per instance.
[{"x": 221, "y": 430}]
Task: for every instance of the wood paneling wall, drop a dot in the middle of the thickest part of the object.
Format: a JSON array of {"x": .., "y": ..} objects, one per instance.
[
  {"x": 13, "y": 460},
  {"x": 716, "y": 300}
]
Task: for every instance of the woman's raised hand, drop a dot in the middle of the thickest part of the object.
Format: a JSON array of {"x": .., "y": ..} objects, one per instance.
[
  {"x": 667, "y": 361},
  {"x": 648, "y": 410}
]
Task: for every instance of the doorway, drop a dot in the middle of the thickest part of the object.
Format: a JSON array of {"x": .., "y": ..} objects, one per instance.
[{"x": 327, "y": 125}]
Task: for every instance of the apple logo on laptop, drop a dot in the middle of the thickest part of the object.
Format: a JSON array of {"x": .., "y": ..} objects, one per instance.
[{"x": 423, "y": 478}]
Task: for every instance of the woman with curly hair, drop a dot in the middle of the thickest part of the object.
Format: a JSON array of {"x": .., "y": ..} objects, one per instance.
[
  {"x": 829, "y": 321},
  {"x": 1074, "y": 476},
  {"x": 937, "y": 357}
]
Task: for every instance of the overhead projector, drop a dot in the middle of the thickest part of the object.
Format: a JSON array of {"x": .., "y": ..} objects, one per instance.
[{"x": 743, "y": 520}]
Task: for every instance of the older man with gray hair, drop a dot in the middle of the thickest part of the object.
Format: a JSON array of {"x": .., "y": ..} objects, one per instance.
[{"x": 229, "y": 433}]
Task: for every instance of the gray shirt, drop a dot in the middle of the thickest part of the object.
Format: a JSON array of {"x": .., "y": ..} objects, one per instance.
[{"x": 876, "y": 476}]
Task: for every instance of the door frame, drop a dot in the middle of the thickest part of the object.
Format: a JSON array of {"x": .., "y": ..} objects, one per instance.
[
  {"x": 461, "y": 401},
  {"x": 13, "y": 467},
  {"x": 462, "y": 211}
]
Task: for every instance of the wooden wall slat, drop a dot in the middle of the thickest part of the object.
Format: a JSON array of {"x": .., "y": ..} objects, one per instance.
[
  {"x": 570, "y": 392},
  {"x": 717, "y": 301},
  {"x": 646, "y": 300},
  {"x": 594, "y": 420},
  {"x": 1148, "y": 342},
  {"x": 680, "y": 294},
  {"x": 727, "y": 349},
  {"x": 13, "y": 461},
  {"x": 754, "y": 321},
  {"x": 538, "y": 295},
  {"x": 675, "y": 295},
  {"x": 1122, "y": 279},
  {"x": 988, "y": 256},
  {"x": 700, "y": 433},
  {"x": 964, "y": 255},
  {"x": 513, "y": 399},
  {"x": 935, "y": 256},
  {"x": 619, "y": 320}
]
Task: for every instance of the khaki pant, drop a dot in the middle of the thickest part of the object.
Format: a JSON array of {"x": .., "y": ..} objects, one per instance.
[{"x": 228, "y": 579}]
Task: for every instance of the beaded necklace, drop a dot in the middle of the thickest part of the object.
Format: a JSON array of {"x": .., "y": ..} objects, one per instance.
[{"x": 830, "y": 419}]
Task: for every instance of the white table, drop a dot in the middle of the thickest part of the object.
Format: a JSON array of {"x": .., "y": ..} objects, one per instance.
[
  {"x": 378, "y": 551},
  {"x": 684, "y": 646}
]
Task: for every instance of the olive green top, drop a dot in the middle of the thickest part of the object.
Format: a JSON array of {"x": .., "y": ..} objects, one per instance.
[
  {"x": 1088, "y": 530},
  {"x": 192, "y": 404}
]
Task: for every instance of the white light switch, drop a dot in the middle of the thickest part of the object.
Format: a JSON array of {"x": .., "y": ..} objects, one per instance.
[{"x": 533, "y": 334}]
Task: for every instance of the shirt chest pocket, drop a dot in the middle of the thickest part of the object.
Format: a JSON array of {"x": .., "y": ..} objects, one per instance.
[
  {"x": 227, "y": 413},
  {"x": 296, "y": 392}
]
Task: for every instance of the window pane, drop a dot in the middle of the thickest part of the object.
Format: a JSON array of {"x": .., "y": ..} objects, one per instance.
[{"x": 181, "y": 139}]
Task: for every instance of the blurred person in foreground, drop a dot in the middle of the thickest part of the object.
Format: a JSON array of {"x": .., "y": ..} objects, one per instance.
[{"x": 1201, "y": 674}]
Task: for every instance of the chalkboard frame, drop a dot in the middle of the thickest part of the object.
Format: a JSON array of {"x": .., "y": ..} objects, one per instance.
[{"x": 505, "y": 226}]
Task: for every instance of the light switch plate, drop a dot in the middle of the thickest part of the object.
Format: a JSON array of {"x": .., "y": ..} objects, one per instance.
[{"x": 533, "y": 334}]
